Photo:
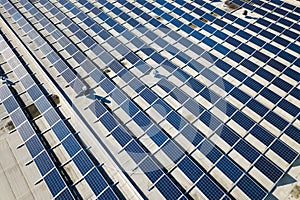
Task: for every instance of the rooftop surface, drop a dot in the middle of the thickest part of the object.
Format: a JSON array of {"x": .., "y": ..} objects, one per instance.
[{"x": 149, "y": 99}]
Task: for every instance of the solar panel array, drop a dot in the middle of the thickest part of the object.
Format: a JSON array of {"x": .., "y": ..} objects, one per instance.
[
  {"x": 39, "y": 154},
  {"x": 219, "y": 115}
]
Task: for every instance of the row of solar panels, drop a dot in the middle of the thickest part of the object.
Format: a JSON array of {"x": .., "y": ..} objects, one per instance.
[
  {"x": 77, "y": 154},
  {"x": 272, "y": 16},
  {"x": 284, "y": 55},
  {"x": 283, "y": 6},
  {"x": 39, "y": 154},
  {"x": 279, "y": 10},
  {"x": 262, "y": 21}
]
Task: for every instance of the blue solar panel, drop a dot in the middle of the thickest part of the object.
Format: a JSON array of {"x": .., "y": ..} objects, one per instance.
[
  {"x": 51, "y": 116},
  {"x": 10, "y": 104},
  {"x": 156, "y": 135},
  {"x": 229, "y": 169},
  {"x": 148, "y": 96},
  {"x": 34, "y": 92},
  {"x": 227, "y": 135},
  {"x": 247, "y": 151},
  {"x": 250, "y": 188},
  {"x": 17, "y": 117},
  {"x": 27, "y": 81},
  {"x": 152, "y": 171},
  {"x": 209, "y": 188},
  {"x": 167, "y": 188},
  {"x": 130, "y": 108},
  {"x": 97, "y": 75},
  {"x": 176, "y": 120},
  {"x": 195, "y": 85},
  {"x": 194, "y": 107},
  {"x": 268, "y": 169},
  {"x": 83, "y": 162},
  {"x": 142, "y": 120},
  {"x": 241, "y": 119},
  {"x": 60, "y": 130},
  {"x": 121, "y": 136},
  {"x": 292, "y": 132},
  {"x": 210, "y": 121},
  {"x": 283, "y": 151},
  {"x": 71, "y": 145},
  {"x": 210, "y": 151},
  {"x": 54, "y": 182},
  {"x": 115, "y": 66},
  {"x": 26, "y": 131},
  {"x": 34, "y": 146},
  {"x": 108, "y": 121},
  {"x": 136, "y": 85},
  {"x": 135, "y": 152},
  {"x": 161, "y": 107},
  {"x": 97, "y": 109},
  {"x": 190, "y": 169},
  {"x": 66, "y": 194},
  {"x": 96, "y": 181},
  {"x": 165, "y": 85},
  {"x": 192, "y": 135},
  {"x": 43, "y": 163},
  {"x": 172, "y": 151},
  {"x": 68, "y": 75}
]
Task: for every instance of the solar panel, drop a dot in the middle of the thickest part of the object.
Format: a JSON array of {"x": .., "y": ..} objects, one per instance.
[
  {"x": 108, "y": 121},
  {"x": 55, "y": 182},
  {"x": 42, "y": 104},
  {"x": 121, "y": 136},
  {"x": 18, "y": 117},
  {"x": 34, "y": 146},
  {"x": 26, "y": 131},
  {"x": 43, "y": 163},
  {"x": 83, "y": 163},
  {"x": 228, "y": 168},
  {"x": 10, "y": 104},
  {"x": 96, "y": 181},
  {"x": 209, "y": 188},
  {"x": 190, "y": 169},
  {"x": 151, "y": 169},
  {"x": 167, "y": 188},
  {"x": 68, "y": 75},
  {"x": 156, "y": 135},
  {"x": 251, "y": 189},
  {"x": 51, "y": 116},
  {"x": 268, "y": 169},
  {"x": 34, "y": 92},
  {"x": 71, "y": 145}
]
